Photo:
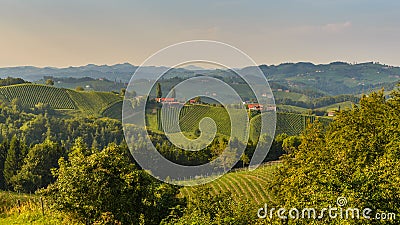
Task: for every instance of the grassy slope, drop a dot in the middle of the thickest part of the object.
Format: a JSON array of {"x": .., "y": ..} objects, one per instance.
[
  {"x": 113, "y": 111},
  {"x": 95, "y": 85},
  {"x": 291, "y": 95},
  {"x": 343, "y": 106},
  {"x": 291, "y": 108},
  {"x": 151, "y": 121},
  {"x": 29, "y": 211},
  {"x": 328, "y": 108}
]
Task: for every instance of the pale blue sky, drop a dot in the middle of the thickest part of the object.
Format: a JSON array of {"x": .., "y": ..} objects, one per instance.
[{"x": 78, "y": 32}]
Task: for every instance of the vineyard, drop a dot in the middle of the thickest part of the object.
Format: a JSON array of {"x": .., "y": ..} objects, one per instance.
[
  {"x": 243, "y": 184},
  {"x": 89, "y": 103},
  {"x": 113, "y": 111},
  {"x": 31, "y": 94},
  {"x": 288, "y": 123},
  {"x": 190, "y": 117},
  {"x": 93, "y": 103}
]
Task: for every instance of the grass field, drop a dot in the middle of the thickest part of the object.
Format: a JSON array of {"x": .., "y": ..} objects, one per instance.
[{"x": 26, "y": 209}]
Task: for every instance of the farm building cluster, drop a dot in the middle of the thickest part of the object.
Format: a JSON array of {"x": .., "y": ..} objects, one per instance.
[{"x": 249, "y": 105}]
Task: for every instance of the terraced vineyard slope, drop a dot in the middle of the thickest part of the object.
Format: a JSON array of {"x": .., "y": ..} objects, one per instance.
[
  {"x": 243, "y": 184},
  {"x": 190, "y": 117},
  {"x": 85, "y": 102},
  {"x": 91, "y": 102},
  {"x": 31, "y": 94},
  {"x": 288, "y": 123}
]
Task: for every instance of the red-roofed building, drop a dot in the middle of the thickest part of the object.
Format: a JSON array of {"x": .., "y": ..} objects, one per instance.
[
  {"x": 333, "y": 113},
  {"x": 255, "y": 106},
  {"x": 161, "y": 100}
]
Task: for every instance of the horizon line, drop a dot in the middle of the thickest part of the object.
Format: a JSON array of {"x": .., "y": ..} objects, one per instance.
[{"x": 263, "y": 64}]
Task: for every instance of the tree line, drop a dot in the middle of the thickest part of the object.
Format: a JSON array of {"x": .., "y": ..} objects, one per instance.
[{"x": 319, "y": 102}]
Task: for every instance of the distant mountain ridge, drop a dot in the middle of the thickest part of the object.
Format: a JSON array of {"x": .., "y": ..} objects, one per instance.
[{"x": 31, "y": 73}]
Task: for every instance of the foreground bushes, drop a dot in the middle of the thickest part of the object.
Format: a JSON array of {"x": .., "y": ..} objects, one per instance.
[{"x": 357, "y": 158}]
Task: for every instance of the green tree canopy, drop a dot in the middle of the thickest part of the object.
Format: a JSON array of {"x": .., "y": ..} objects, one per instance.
[
  {"x": 173, "y": 93},
  {"x": 358, "y": 157},
  {"x": 14, "y": 160},
  {"x": 158, "y": 91},
  {"x": 207, "y": 208},
  {"x": 79, "y": 88},
  {"x": 49, "y": 82},
  {"x": 107, "y": 184},
  {"x": 3, "y": 155},
  {"x": 36, "y": 171},
  {"x": 122, "y": 92}
]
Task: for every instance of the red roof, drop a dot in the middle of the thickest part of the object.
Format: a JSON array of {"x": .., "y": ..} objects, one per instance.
[
  {"x": 255, "y": 106},
  {"x": 165, "y": 99}
]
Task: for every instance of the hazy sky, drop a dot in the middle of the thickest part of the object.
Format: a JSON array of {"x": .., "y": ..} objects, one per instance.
[{"x": 77, "y": 32}]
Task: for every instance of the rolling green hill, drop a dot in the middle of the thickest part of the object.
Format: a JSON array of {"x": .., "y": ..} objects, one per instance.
[
  {"x": 292, "y": 109},
  {"x": 341, "y": 105},
  {"x": 291, "y": 95},
  {"x": 85, "y": 102}
]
